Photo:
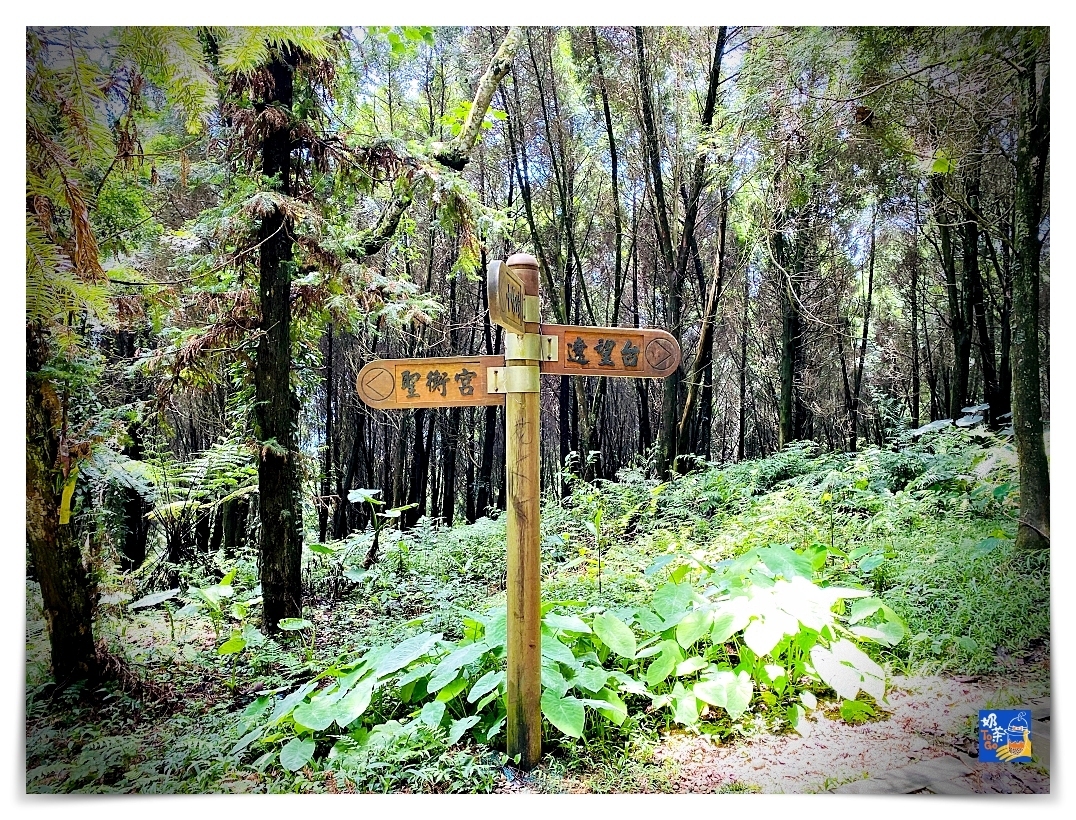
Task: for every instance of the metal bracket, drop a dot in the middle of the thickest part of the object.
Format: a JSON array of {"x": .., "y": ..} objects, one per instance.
[
  {"x": 550, "y": 351},
  {"x": 522, "y": 346},
  {"x": 531, "y": 310},
  {"x": 513, "y": 379}
]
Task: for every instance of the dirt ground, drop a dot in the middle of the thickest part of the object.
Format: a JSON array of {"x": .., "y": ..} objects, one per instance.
[{"x": 930, "y": 717}]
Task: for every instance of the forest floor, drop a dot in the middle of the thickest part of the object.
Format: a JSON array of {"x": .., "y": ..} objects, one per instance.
[
  {"x": 928, "y": 528},
  {"x": 929, "y": 718}
]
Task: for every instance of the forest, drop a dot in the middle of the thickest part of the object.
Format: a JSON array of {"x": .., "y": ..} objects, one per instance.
[{"x": 832, "y": 517}]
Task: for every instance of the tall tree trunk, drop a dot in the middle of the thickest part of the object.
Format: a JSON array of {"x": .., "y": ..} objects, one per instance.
[
  {"x": 742, "y": 434},
  {"x": 704, "y": 353},
  {"x": 327, "y": 462},
  {"x": 1032, "y": 150},
  {"x": 666, "y": 452},
  {"x": 790, "y": 340},
  {"x": 853, "y": 409},
  {"x": 277, "y": 408},
  {"x": 916, "y": 386},
  {"x": 976, "y": 293},
  {"x": 67, "y": 588},
  {"x": 450, "y": 439},
  {"x": 958, "y": 301}
]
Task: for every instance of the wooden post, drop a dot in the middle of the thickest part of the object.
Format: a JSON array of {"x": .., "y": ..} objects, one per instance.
[{"x": 524, "y": 723}]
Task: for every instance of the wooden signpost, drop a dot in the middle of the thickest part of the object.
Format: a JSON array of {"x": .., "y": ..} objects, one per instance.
[{"x": 514, "y": 380}]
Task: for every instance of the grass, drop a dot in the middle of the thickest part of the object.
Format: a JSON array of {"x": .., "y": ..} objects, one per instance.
[{"x": 928, "y": 528}]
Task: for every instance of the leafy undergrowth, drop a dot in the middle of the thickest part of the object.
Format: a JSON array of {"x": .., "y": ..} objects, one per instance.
[{"x": 726, "y": 602}]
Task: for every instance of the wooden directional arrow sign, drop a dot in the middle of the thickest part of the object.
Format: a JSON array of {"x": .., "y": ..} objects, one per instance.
[
  {"x": 512, "y": 290},
  {"x": 458, "y": 381},
  {"x": 609, "y": 351},
  {"x": 504, "y": 292}
]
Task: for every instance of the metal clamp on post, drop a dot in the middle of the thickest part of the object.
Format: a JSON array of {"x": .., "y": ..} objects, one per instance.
[
  {"x": 513, "y": 379},
  {"x": 523, "y": 346},
  {"x": 531, "y": 309}
]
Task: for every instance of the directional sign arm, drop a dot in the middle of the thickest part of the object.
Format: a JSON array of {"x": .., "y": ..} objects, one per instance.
[
  {"x": 457, "y": 381},
  {"x": 642, "y": 353}
]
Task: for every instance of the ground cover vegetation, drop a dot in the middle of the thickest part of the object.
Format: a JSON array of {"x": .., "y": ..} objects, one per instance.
[
  {"x": 240, "y": 578},
  {"x": 734, "y": 601}
]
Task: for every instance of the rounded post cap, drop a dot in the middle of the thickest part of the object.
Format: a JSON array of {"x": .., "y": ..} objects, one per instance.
[{"x": 526, "y": 268}]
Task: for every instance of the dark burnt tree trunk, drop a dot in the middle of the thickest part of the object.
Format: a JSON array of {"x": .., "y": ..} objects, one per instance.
[
  {"x": 67, "y": 588},
  {"x": 741, "y": 440},
  {"x": 277, "y": 408},
  {"x": 1032, "y": 150},
  {"x": 959, "y": 303},
  {"x": 857, "y": 390},
  {"x": 327, "y": 456},
  {"x": 666, "y": 452},
  {"x": 976, "y": 292},
  {"x": 791, "y": 329}
]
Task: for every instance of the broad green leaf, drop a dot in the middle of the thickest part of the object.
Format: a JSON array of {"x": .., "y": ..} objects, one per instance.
[
  {"x": 453, "y": 689},
  {"x": 856, "y": 711},
  {"x": 615, "y": 710},
  {"x": 659, "y": 564},
  {"x": 286, "y": 704},
  {"x": 739, "y": 695},
  {"x": 234, "y": 644},
  {"x": 713, "y": 690},
  {"x": 451, "y": 663},
  {"x": 863, "y": 608},
  {"x": 590, "y": 678},
  {"x": 690, "y": 666},
  {"x": 731, "y": 692},
  {"x": 872, "y": 562},
  {"x": 694, "y": 625},
  {"x": 415, "y": 673},
  {"x": 565, "y": 713},
  {"x": 321, "y": 549},
  {"x": 403, "y": 653},
  {"x": 798, "y": 719},
  {"x": 256, "y": 707},
  {"x": 316, "y": 714},
  {"x": 648, "y": 620},
  {"x": 628, "y": 683},
  {"x": 553, "y": 680},
  {"x": 723, "y": 628},
  {"x": 615, "y": 634},
  {"x": 246, "y": 740},
  {"x": 351, "y": 706},
  {"x": 672, "y": 599},
  {"x": 357, "y": 574},
  {"x": 432, "y": 713},
  {"x": 296, "y": 754},
  {"x": 764, "y": 633},
  {"x": 364, "y": 497},
  {"x": 294, "y": 624},
  {"x": 154, "y": 599},
  {"x": 886, "y": 633},
  {"x": 685, "y": 706},
  {"x": 984, "y": 547},
  {"x": 496, "y": 634},
  {"x": 554, "y": 650},
  {"x": 487, "y": 700},
  {"x": 846, "y": 669},
  {"x": 782, "y": 560},
  {"x": 665, "y": 663},
  {"x": 570, "y": 623},
  {"x": 485, "y": 684},
  {"x": 460, "y": 726}
]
